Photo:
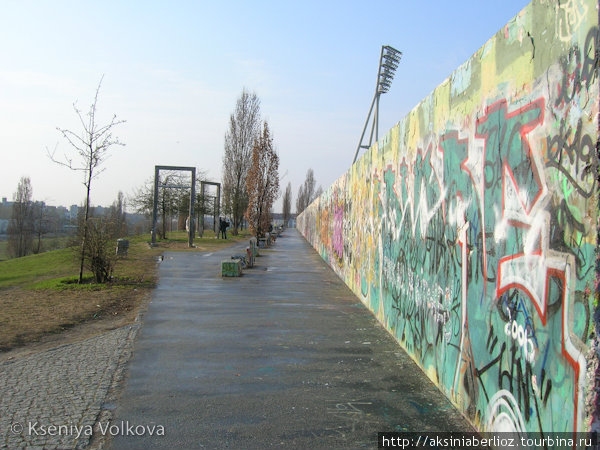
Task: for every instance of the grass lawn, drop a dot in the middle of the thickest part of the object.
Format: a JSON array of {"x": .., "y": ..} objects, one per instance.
[
  {"x": 38, "y": 295},
  {"x": 48, "y": 243}
]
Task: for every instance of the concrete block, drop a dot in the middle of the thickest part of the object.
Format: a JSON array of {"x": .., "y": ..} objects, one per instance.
[
  {"x": 231, "y": 268},
  {"x": 242, "y": 258},
  {"x": 254, "y": 246},
  {"x": 249, "y": 257}
]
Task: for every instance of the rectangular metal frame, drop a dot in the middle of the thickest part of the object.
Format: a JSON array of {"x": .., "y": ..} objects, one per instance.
[{"x": 157, "y": 170}]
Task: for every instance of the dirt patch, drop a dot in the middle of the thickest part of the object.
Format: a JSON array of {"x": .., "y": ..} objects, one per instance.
[{"x": 62, "y": 317}]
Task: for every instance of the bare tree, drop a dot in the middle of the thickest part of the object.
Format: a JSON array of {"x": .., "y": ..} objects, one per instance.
[
  {"x": 287, "y": 204},
  {"x": 309, "y": 186},
  {"x": 100, "y": 256},
  {"x": 91, "y": 145},
  {"x": 244, "y": 128},
  {"x": 170, "y": 201},
  {"x": 118, "y": 216},
  {"x": 307, "y": 192},
  {"x": 300, "y": 203},
  {"x": 41, "y": 223},
  {"x": 20, "y": 228},
  {"x": 262, "y": 183},
  {"x": 142, "y": 200},
  {"x": 318, "y": 193},
  {"x": 102, "y": 231}
]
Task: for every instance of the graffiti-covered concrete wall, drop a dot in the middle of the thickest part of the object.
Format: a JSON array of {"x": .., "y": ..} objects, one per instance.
[{"x": 470, "y": 229}]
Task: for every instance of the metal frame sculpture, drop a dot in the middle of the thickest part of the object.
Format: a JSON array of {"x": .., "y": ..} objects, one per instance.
[
  {"x": 217, "y": 205},
  {"x": 157, "y": 170}
]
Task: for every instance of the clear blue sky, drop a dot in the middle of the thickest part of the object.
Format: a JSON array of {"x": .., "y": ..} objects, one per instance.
[{"x": 173, "y": 71}]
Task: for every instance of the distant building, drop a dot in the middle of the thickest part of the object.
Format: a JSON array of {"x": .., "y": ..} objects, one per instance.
[
  {"x": 5, "y": 209},
  {"x": 73, "y": 210}
]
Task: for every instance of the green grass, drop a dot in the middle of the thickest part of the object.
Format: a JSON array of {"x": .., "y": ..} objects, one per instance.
[
  {"x": 48, "y": 244},
  {"x": 54, "y": 269},
  {"x": 23, "y": 272},
  {"x": 72, "y": 284},
  {"x": 68, "y": 283}
]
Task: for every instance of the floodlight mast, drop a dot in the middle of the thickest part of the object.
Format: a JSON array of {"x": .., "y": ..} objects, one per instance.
[{"x": 388, "y": 63}]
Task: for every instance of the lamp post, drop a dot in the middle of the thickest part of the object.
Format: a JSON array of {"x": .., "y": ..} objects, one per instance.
[{"x": 388, "y": 63}]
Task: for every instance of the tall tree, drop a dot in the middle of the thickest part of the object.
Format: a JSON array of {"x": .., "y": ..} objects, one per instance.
[
  {"x": 20, "y": 228},
  {"x": 118, "y": 216},
  {"x": 318, "y": 193},
  {"x": 41, "y": 224},
  {"x": 262, "y": 183},
  {"x": 309, "y": 187},
  {"x": 91, "y": 145},
  {"x": 244, "y": 128},
  {"x": 287, "y": 204},
  {"x": 300, "y": 203},
  {"x": 307, "y": 192}
]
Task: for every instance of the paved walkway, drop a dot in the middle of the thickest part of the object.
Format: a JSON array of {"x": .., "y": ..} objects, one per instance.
[
  {"x": 285, "y": 356},
  {"x": 55, "y": 398}
]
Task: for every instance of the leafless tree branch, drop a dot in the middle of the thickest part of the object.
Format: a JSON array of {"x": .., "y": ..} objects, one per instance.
[{"x": 92, "y": 146}]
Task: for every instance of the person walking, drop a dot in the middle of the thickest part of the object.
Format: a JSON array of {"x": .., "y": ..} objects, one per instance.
[{"x": 223, "y": 224}]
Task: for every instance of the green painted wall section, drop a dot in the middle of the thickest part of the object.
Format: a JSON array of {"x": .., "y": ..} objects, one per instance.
[{"x": 470, "y": 229}]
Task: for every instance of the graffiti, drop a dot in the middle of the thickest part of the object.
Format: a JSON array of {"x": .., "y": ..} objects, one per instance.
[
  {"x": 474, "y": 242},
  {"x": 568, "y": 16},
  {"x": 573, "y": 155},
  {"x": 578, "y": 70},
  {"x": 518, "y": 333},
  {"x": 338, "y": 232},
  {"x": 504, "y": 415}
]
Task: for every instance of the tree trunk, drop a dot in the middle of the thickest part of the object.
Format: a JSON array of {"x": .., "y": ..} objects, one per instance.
[{"x": 87, "y": 214}]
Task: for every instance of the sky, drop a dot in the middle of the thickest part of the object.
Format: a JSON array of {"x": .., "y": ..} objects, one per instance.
[{"x": 174, "y": 70}]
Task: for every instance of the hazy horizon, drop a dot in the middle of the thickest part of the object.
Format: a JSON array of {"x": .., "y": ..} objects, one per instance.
[{"x": 174, "y": 73}]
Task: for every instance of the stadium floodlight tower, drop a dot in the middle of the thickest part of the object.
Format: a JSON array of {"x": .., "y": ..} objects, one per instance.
[{"x": 388, "y": 63}]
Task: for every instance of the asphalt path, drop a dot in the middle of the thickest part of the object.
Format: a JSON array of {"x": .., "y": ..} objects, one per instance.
[{"x": 285, "y": 356}]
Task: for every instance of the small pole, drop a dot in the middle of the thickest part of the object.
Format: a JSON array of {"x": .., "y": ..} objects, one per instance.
[
  {"x": 191, "y": 221},
  {"x": 155, "y": 204}
]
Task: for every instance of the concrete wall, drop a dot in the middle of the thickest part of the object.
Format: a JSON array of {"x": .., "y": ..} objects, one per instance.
[{"x": 470, "y": 229}]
